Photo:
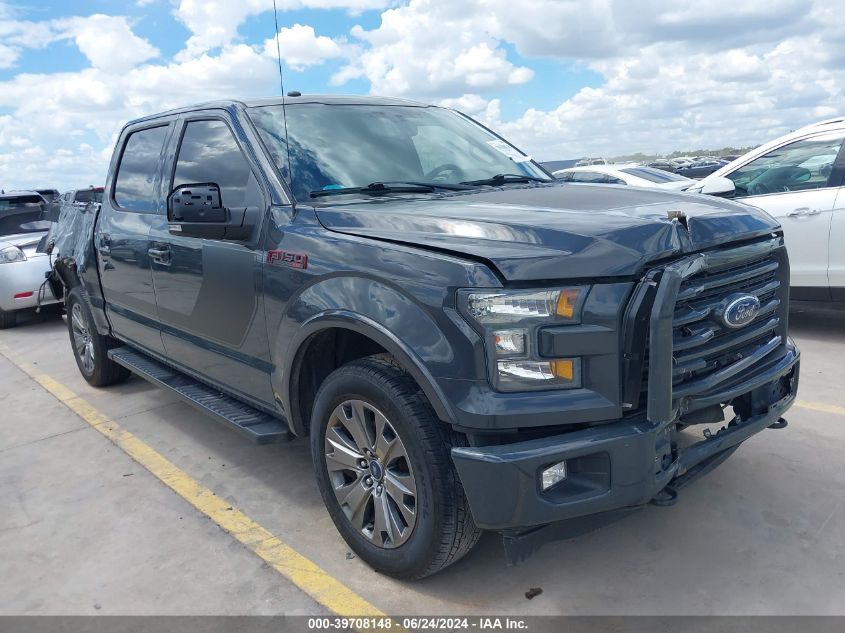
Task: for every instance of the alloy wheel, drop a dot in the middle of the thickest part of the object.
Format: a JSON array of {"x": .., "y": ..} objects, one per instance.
[
  {"x": 82, "y": 342},
  {"x": 371, "y": 473}
]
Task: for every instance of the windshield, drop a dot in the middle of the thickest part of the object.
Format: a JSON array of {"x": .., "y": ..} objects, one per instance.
[
  {"x": 89, "y": 195},
  {"x": 652, "y": 175},
  {"x": 343, "y": 146},
  {"x": 21, "y": 214}
]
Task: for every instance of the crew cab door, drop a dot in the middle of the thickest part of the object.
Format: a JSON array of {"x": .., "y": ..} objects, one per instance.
[
  {"x": 793, "y": 183},
  {"x": 121, "y": 237},
  {"x": 208, "y": 291}
]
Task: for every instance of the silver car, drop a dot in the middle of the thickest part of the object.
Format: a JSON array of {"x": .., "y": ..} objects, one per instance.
[{"x": 22, "y": 269}]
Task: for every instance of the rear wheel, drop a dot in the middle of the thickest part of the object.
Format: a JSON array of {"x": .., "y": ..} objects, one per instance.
[
  {"x": 90, "y": 348},
  {"x": 8, "y": 318},
  {"x": 385, "y": 472}
]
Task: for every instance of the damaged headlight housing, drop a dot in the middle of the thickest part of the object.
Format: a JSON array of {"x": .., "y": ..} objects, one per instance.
[
  {"x": 509, "y": 321},
  {"x": 11, "y": 254}
]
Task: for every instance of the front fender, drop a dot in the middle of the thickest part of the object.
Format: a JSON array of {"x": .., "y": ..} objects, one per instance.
[
  {"x": 422, "y": 337},
  {"x": 361, "y": 324}
]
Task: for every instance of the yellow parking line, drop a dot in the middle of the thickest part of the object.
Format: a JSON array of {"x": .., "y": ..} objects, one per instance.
[
  {"x": 302, "y": 572},
  {"x": 818, "y": 406}
]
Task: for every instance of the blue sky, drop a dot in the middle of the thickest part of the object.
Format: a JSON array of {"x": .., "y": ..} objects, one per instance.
[
  {"x": 154, "y": 21},
  {"x": 561, "y": 78}
]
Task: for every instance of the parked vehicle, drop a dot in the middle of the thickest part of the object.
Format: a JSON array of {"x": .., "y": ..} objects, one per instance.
[
  {"x": 49, "y": 195},
  {"x": 798, "y": 179},
  {"x": 663, "y": 165},
  {"x": 83, "y": 196},
  {"x": 592, "y": 161},
  {"x": 22, "y": 270},
  {"x": 699, "y": 169},
  {"x": 634, "y": 175},
  {"x": 469, "y": 344}
]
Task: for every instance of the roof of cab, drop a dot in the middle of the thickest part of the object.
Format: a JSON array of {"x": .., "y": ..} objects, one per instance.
[{"x": 268, "y": 101}]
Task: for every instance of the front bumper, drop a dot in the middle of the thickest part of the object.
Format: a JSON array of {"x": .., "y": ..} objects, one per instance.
[
  {"x": 21, "y": 278},
  {"x": 610, "y": 466}
]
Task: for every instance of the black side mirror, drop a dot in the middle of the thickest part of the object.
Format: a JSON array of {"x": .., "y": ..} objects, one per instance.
[
  {"x": 196, "y": 210},
  {"x": 196, "y": 203}
]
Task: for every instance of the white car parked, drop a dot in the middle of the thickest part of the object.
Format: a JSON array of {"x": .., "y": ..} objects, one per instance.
[
  {"x": 798, "y": 179},
  {"x": 22, "y": 269},
  {"x": 634, "y": 175}
]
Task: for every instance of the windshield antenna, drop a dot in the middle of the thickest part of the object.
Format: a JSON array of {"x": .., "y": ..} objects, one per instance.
[{"x": 282, "y": 87}]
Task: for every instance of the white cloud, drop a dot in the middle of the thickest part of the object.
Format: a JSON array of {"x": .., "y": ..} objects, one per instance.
[
  {"x": 432, "y": 48},
  {"x": 707, "y": 74},
  {"x": 8, "y": 56},
  {"x": 107, "y": 41},
  {"x": 667, "y": 76},
  {"x": 92, "y": 105},
  {"x": 215, "y": 23},
  {"x": 301, "y": 47}
]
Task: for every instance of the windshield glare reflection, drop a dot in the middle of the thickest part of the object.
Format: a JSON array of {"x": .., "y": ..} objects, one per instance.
[{"x": 344, "y": 146}]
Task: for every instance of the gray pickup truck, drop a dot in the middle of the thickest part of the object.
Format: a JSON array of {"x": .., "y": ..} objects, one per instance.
[{"x": 469, "y": 344}]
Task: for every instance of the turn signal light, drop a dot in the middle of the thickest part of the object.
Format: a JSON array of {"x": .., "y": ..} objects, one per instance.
[
  {"x": 563, "y": 369},
  {"x": 566, "y": 302}
]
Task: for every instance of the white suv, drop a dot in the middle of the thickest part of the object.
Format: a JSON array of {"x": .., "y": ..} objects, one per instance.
[{"x": 798, "y": 179}]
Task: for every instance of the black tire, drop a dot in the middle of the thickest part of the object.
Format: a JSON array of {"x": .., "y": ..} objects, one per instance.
[
  {"x": 443, "y": 530},
  {"x": 8, "y": 318},
  {"x": 101, "y": 371}
]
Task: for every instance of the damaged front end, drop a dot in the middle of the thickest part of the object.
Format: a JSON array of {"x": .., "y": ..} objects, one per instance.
[{"x": 701, "y": 335}]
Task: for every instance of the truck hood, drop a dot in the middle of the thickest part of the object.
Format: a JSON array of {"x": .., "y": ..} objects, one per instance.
[{"x": 557, "y": 231}]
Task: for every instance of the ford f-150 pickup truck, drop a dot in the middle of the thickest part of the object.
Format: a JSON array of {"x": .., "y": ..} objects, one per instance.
[{"x": 469, "y": 344}]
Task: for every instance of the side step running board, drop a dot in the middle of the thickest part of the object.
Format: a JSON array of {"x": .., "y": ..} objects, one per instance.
[{"x": 260, "y": 427}]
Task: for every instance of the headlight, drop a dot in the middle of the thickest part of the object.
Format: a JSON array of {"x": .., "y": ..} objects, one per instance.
[
  {"x": 11, "y": 254},
  {"x": 509, "y": 322},
  {"x": 510, "y": 307}
]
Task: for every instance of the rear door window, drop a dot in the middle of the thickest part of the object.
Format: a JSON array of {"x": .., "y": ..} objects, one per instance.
[{"x": 135, "y": 183}]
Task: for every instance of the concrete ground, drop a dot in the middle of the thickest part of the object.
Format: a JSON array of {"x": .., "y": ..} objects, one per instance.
[{"x": 85, "y": 529}]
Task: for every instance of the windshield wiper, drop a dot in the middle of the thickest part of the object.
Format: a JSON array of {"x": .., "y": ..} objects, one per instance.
[
  {"x": 378, "y": 188},
  {"x": 501, "y": 179}
]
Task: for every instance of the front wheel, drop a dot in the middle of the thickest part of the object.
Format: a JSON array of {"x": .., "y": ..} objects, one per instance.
[
  {"x": 90, "y": 348},
  {"x": 385, "y": 472}
]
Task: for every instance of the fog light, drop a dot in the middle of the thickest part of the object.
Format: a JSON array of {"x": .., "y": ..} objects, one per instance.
[
  {"x": 553, "y": 474},
  {"x": 530, "y": 374}
]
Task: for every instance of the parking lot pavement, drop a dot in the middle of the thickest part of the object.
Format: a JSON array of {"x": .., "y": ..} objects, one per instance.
[{"x": 763, "y": 534}]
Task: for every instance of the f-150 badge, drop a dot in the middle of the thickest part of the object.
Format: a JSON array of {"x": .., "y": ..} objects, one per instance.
[{"x": 286, "y": 258}]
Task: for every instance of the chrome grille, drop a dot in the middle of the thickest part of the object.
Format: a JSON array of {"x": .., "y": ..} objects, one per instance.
[{"x": 706, "y": 352}]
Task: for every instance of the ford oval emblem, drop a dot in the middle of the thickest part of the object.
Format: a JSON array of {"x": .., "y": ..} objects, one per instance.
[{"x": 738, "y": 310}]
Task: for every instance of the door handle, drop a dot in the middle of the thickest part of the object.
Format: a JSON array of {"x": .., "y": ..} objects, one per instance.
[
  {"x": 803, "y": 211},
  {"x": 104, "y": 244},
  {"x": 160, "y": 255}
]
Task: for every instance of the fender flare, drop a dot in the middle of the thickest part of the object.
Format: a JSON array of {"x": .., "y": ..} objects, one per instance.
[{"x": 404, "y": 355}]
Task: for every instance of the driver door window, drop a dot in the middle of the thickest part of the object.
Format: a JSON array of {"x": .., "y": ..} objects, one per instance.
[
  {"x": 798, "y": 166},
  {"x": 209, "y": 153}
]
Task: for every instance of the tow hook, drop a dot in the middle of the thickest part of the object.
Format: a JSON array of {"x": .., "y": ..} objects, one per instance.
[{"x": 780, "y": 424}]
